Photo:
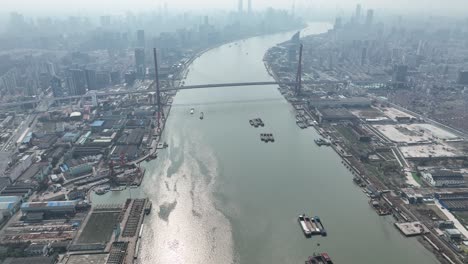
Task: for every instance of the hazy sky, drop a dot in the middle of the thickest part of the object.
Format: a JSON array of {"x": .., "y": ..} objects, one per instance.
[{"x": 108, "y": 6}]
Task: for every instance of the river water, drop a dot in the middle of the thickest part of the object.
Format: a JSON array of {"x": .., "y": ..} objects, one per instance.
[{"x": 220, "y": 195}]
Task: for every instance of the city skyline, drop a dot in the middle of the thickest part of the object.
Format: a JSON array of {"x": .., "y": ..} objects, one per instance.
[{"x": 107, "y": 6}]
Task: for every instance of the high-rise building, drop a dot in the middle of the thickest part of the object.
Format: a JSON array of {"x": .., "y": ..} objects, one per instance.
[
  {"x": 249, "y": 6},
  {"x": 240, "y": 6},
  {"x": 91, "y": 79},
  {"x": 8, "y": 81},
  {"x": 463, "y": 78},
  {"x": 358, "y": 12},
  {"x": 115, "y": 77},
  {"x": 141, "y": 38},
  {"x": 105, "y": 21},
  {"x": 50, "y": 68},
  {"x": 338, "y": 23},
  {"x": 400, "y": 73},
  {"x": 76, "y": 82},
  {"x": 103, "y": 79},
  {"x": 369, "y": 17},
  {"x": 140, "y": 62},
  {"x": 56, "y": 85},
  {"x": 130, "y": 77},
  {"x": 364, "y": 56}
]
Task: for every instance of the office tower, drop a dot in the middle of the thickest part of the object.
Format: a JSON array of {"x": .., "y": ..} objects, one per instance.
[
  {"x": 241, "y": 6},
  {"x": 91, "y": 79},
  {"x": 140, "y": 62},
  {"x": 358, "y": 13},
  {"x": 369, "y": 17},
  {"x": 141, "y": 38},
  {"x": 76, "y": 82},
  {"x": 206, "y": 20},
  {"x": 249, "y": 6}
]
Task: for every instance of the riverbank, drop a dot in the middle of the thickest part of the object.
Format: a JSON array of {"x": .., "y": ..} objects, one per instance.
[{"x": 382, "y": 199}]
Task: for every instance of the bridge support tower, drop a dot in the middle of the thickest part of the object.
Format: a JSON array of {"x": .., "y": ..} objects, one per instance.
[
  {"x": 299, "y": 73},
  {"x": 158, "y": 91}
]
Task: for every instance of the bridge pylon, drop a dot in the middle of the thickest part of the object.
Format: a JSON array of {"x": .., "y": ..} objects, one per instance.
[
  {"x": 158, "y": 91},
  {"x": 299, "y": 73}
]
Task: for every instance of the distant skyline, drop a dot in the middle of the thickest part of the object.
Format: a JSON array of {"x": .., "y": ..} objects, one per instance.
[{"x": 114, "y": 6}]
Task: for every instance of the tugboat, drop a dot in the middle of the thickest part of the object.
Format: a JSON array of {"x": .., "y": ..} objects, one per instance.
[
  {"x": 201, "y": 115},
  {"x": 192, "y": 111}
]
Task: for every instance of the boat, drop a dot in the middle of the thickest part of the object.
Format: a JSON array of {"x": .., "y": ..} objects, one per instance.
[
  {"x": 322, "y": 142},
  {"x": 201, "y": 115},
  {"x": 322, "y": 258},
  {"x": 312, "y": 226},
  {"x": 319, "y": 224},
  {"x": 303, "y": 225},
  {"x": 101, "y": 191},
  {"x": 192, "y": 111},
  {"x": 148, "y": 207},
  {"x": 251, "y": 122}
]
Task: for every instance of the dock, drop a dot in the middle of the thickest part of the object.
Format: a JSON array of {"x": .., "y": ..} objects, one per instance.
[{"x": 412, "y": 228}]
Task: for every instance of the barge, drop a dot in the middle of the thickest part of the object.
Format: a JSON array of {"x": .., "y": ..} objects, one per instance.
[
  {"x": 322, "y": 258},
  {"x": 267, "y": 137},
  {"x": 318, "y": 222},
  {"x": 313, "y": 225},
  {"x": 302, "y": 224},
  {"x": 256, "y": 122}
]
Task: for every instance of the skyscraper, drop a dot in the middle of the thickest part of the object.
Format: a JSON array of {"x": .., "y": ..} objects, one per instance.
[
  {"x": 358, "y": 13},
  {"x": 140, "y": 62},
  {"x": 91, "y": 79},
  {"x": 241, "y": 6},
  {"x": 369, "y": 17},
  {"x": 141, "y": 38},
  {"x": 56, "y": 85},
  {"x": 249, "y": 6},
  {"x": 76, "y": 82}
]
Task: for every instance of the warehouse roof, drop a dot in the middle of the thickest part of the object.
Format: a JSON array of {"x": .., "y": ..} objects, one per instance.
[
  {"x": 48, "y": 204},
  {"x": 97, "y": 123}
]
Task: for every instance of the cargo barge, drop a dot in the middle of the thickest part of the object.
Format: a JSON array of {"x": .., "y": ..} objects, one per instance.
[
  {"x": 319, "y": 224},
  {"x": 303, "y": 225},
  {"x": 322, "y": 258},
  {"x": 311, "y": 226}
]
